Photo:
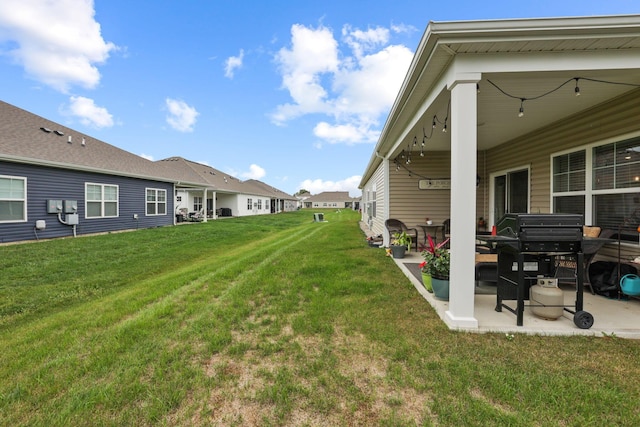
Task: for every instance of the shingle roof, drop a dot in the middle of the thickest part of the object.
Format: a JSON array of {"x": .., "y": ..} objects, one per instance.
[
  {"x": 28, "y": 138},
  {"x": 267, "y": 190},
  {"x": 331, "y": 196},
  {"x": 197, "y": 173}
]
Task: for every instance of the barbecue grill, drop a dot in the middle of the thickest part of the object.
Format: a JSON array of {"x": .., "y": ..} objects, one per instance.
[{"x": 527, "y": 245}]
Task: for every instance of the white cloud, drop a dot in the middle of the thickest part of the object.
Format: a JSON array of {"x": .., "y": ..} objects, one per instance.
[
  {"x": 255, "y": 172},
  {"x": 353, "y": 86},
  {"x": 316, "y": 186},
  {"x": 88, "y": 112},
  {"x": 58, "y": 43},
  {"x": 347, "y": 133},
  {"x": 232, "y": 63},
  {"x": 146, "y": 156},
  {"x": 313, "y": 52},
  {"x": 182, "y": 117},
  {"x": 365, "y": 41}
]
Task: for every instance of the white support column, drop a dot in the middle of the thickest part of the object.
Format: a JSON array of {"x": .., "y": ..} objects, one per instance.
[
  {"x": 463, "y": 201},
  {"x": 204, "y": 204},
  {"x": 214, "y": 196}
]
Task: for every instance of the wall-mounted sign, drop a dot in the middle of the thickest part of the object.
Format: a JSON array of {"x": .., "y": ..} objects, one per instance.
[{"x": 435, "y": 184}]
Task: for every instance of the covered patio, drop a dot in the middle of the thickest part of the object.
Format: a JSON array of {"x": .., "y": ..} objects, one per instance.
[
  {"x": 619, "y": 317},
  {"x": 489, "y": 121}
]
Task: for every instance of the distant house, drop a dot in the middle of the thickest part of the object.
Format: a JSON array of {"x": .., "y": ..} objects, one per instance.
[
  {"x": 206, "y": 190},
  {"x": 332, "y": 199},
  {"x": 280, "y": 201},
  {"x": 56, "y": 181}
]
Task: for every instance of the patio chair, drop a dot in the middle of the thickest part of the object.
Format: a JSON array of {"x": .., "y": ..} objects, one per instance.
[
  {"x": 397, "y": 226},
  {"x": 566, "y": 268}
]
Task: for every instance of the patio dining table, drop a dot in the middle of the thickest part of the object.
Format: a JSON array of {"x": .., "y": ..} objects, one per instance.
[{"x": 432, "y": 230}]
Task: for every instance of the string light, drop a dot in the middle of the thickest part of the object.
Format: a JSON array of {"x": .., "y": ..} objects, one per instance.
[
  {"x": 576, "y": 90},
  {"x": 521, "y": 112},
  {"x": 435, "y": 120}
]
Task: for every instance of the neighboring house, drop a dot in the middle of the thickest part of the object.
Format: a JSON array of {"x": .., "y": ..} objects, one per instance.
[
  {"x": 331, "y": 199},
  {"x": 56, "y": 181},
  {"x": 280, "y": 201},
  {"x": 488, "y": 121},
  {"x": 219, "y": 194}
]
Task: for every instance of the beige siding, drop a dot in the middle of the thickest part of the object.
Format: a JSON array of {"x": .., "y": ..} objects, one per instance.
[
  {"x": 378, "y": 220},
  {"x": 410, "y": 204},
  {"x": 614, "y": 119},
  {"x": 375, "y": 185}
]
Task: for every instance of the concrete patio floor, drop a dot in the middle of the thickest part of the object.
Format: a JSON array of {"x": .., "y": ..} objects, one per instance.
[{"x": 611, "y": 316}]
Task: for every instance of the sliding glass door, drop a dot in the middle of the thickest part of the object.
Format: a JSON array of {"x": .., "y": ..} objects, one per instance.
[{"x": 510, "y": 193}]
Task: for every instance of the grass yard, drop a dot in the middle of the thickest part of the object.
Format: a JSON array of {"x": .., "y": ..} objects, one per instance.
[{"x": 273, "y": 320}]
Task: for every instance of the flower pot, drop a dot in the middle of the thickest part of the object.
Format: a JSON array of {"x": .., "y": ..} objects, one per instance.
[
  {"x": 440, "y": 288},
  {"x": 426, "y": 281},
  {"x": 398, "y": 251}
]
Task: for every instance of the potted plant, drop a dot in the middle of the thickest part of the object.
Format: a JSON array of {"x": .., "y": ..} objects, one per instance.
[
  {"x": 426, "y": 276},
  {"x": 482, "y": 224},
  {"x": 400, "y": 244},
  {"x": 436, "y": 264}
]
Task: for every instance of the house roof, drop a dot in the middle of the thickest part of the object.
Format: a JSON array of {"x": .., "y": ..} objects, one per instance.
[
  {"x": 195, "y": 174},
  {"x": 28, "y": 138},
  {"x": 525, "y": 58},
  {"x": 331, "y": 196},
  {"x": 264, "y": 189}
]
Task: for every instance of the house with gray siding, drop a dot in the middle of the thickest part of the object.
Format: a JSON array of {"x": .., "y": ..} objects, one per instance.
[
  {"x": 57, "y": 182},
  {"x": 512, "y": 116}
]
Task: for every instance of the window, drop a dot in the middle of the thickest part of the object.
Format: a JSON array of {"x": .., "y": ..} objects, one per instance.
[
  {"x": 569, "y": 182},
  {"x": 616, "y": 187},
  {"x": 249, "y": 204},
  {"x": 156, "y": 201},
  {"x": 259, "y": 203},
  {"x": 603, "y": 184},
  {"x": 101, "y": 200},
  {"x": 197, "y": 203},
  {"x": 13, "y": 199}
]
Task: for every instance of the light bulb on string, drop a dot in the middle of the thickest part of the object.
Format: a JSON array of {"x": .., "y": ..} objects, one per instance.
[
  {"x": 433, "y": 124},
  {"x": 577, "y": 89},
  {"x": 444, "y": 129},
  {"x": 521, "y": 112}
]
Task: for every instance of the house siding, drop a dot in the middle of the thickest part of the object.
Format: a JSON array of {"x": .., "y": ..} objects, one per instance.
[
  {"x": 609, "y": 121},
  {"x": 411, "y": 205},
  {"x": 45, "y": 183}
]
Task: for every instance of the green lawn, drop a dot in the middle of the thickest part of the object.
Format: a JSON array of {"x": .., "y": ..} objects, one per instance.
[{"x": 273, "y": 320}]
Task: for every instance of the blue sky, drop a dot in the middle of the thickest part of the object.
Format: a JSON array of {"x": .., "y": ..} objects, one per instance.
[{"x": 293, "y": 93}]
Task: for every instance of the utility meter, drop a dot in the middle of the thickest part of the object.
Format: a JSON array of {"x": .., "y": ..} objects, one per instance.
[{"x": 70, "y": 206}]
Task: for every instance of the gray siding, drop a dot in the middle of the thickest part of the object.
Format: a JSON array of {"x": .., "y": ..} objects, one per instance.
[{"x": 44, "y": 183}]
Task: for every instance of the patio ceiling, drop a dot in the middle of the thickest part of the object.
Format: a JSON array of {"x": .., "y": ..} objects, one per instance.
[
  {"x": 521, "y": 58},
  {"x": 498, "y": 120}
]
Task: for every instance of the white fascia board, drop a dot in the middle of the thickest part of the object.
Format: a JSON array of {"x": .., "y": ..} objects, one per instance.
[{"x": 544, "y": 61}]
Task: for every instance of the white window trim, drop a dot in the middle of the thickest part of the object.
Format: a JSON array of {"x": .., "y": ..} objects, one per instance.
[
  {"x": 589, "y": 192},
  {"x": 24, "y": 200},
  {"x": 102, "y": 215},
  {"x": 492, "y": 190},
  {"x": 156, "y": 202}
]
